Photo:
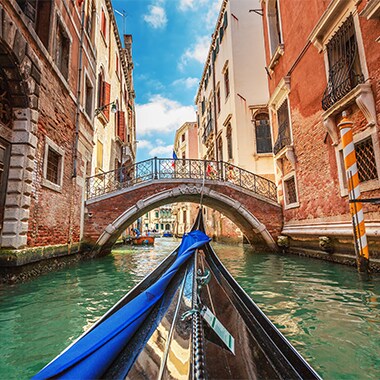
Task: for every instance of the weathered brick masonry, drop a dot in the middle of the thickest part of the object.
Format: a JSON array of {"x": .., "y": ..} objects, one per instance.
[{"x": 300, "y": 74}]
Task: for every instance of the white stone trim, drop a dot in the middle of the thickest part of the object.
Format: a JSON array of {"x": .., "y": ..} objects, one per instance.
[
  {"x": 371, "y": 10},
  {"x": 338, "y": 228},
  {"x": 45, "y": 182},
  {"x": 335, "y": 14},
  {"x": 284, "y": 179}
]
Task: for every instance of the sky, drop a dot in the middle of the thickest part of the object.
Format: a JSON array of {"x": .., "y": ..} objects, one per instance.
[{"x": 171, "y": 39}]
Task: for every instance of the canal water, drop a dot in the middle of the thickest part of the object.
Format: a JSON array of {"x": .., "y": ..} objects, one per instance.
[{"x": 328, "y": 312}]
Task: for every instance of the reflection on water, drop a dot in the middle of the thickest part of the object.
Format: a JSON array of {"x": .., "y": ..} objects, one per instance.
[{"x": 328, "y": 312}]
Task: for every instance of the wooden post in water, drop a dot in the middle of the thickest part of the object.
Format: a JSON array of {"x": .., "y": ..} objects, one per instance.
[{"x": 356, "y": 207}]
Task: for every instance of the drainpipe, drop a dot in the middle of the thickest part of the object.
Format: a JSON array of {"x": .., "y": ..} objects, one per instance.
[{"x": 76, "y": 140}]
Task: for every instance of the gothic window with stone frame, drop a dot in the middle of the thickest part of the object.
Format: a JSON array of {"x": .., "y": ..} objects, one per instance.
[
  {"x": 344, "y": 69},
  {"x": 263, "y": 133},
  {"x": 62, "y": 50}
]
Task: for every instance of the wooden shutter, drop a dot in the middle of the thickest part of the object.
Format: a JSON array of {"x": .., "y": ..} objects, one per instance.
[
  {"x": 121, "y": 125},
  {"x": 107, "y": 99}
]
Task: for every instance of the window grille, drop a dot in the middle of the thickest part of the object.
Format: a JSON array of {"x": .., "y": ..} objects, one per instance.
[
  {"x": 344, "y": 65},
  {"x": 290, "y": 191},
  {"x": 365, "y": 157},
  {"x": 283, "y": 138},
  {"x": 53, "y": 163},
  {"x": 263, "y": 136}
]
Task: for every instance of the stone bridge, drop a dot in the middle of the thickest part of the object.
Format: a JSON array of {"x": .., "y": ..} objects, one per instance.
[{"x": 116, "y": 199}]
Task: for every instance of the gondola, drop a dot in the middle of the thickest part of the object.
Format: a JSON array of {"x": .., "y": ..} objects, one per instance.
[{"x": 188, "y": 319}]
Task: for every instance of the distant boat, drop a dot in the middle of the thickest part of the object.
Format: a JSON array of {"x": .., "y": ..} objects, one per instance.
[
  {"x": 142, "y": 240},
  {"x": 188, "y": 319},
  {"x": 167, "y": 234}
]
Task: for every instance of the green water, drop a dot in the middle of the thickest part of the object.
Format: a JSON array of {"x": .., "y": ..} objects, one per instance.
[{"x": 329, "y": 313}]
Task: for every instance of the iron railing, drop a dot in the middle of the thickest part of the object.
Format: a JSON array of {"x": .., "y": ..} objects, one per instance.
[
  {"x": 344, "y": 66},
  {"x": 180, "y": 169}
]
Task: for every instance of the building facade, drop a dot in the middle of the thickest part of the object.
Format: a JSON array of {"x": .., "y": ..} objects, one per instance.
[
  {"x": 114, "y": 122},
  {"x": 158, "y": 220},
  {"x": 320, "y": 66},
  {"x": 48, "y": 76},
  {"x": 233, "y": 94}
]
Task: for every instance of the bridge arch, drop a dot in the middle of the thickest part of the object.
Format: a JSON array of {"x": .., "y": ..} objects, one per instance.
[{"x": 108, "y": 216}]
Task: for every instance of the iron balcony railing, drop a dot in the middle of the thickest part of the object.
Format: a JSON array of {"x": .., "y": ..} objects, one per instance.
[
  {"x": 169, "y": 169},
  {"x": 344, "y": 65}
]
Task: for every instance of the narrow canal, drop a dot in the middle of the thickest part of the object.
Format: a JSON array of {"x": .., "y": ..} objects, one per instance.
[{"x": 328, "y": 312}]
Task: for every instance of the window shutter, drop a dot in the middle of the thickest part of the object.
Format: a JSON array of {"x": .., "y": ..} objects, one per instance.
[
  {"x": 121, "y": 125},
  {"x": 107, "y": 99}
]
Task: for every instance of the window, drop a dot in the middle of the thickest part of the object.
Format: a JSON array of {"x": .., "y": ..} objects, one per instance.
[
  {"x": 290, "y": 191},
  {"x": 218, "y": 108},
  {"x": 101, "y": 88},
  {"x": 344, "y": 65},
  {"x": 226, "y": 83},
  {"x": 117, "y": 66},
  {"x": 263, "y": 135},
  {"x": 62, "y": 50},
  {"x": 229, "y": 142},
  {"x": 220, "y": 149},
  {"x": 203, "y": 106},
  {"x": 183, "y": 137},
  {"x": 90, "y": 21},
  {"x": 53, "y": 165},
  {"x": 89, "y": 93},
  {"x": 39, "y": 12},
  {"x": 156, "y": 214},
  {"x": 274, "y": 25},
  {"x": 365, "y": 157},
  {"x": 103, "y": 25},
  {"x": 99, "y": 157},
  {"x": 283, "y": 138}
]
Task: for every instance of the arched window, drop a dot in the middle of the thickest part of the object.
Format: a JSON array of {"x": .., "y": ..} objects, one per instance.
[
  {"x": 229, "y": 142},
  {"x": 263, "y": 135},
  {"x": 274, "y": 25}
]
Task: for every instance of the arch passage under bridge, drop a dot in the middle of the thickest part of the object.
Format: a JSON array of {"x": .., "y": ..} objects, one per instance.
[{"x": 113, "y": 204}]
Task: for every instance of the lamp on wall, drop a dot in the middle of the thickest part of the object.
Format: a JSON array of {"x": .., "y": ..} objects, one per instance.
[{"x": 113, "y": 105}]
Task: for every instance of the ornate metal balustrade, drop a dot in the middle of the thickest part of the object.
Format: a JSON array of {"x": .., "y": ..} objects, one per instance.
[
  {"x": 169, "y": 169},
  {"x": 344, "y": 66}
]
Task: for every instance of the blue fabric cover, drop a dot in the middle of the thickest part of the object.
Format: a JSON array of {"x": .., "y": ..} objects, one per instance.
[{"x": 91, "y": 355}]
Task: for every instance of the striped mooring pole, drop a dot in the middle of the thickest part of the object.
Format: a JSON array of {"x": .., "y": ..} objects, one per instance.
[{"x": 356, "y": 207}]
